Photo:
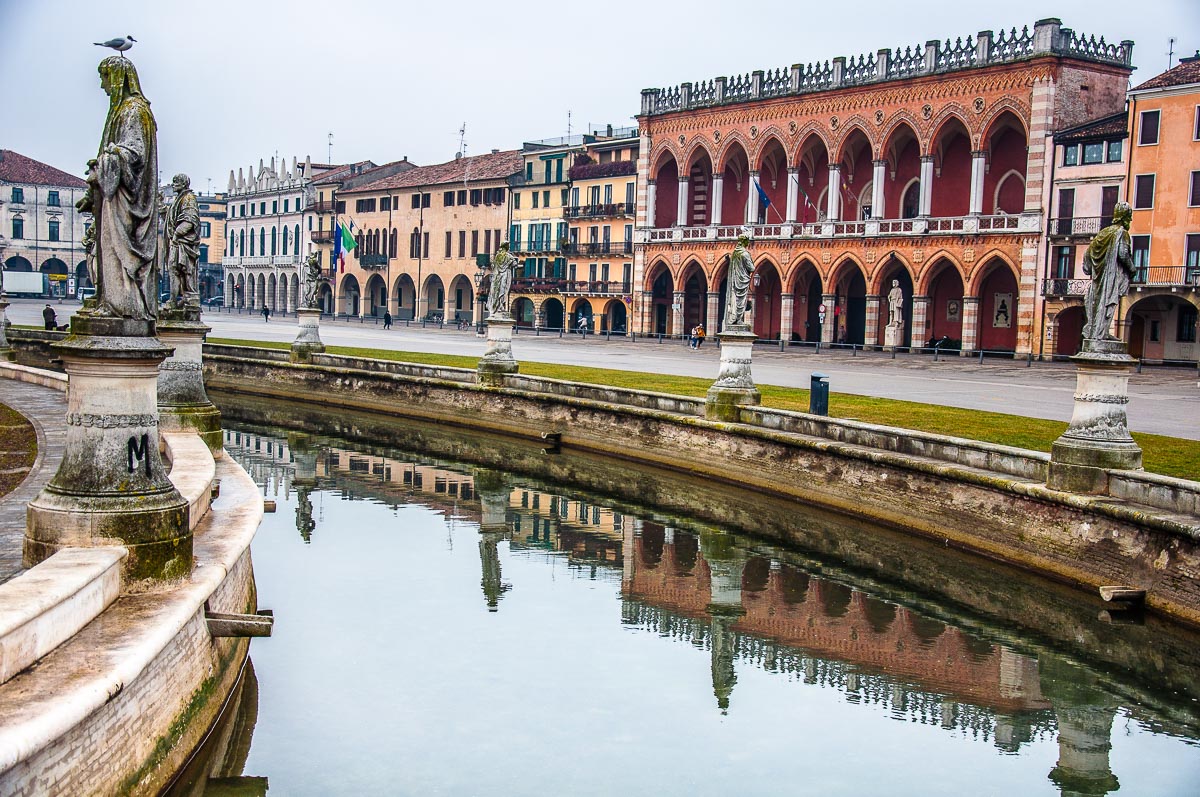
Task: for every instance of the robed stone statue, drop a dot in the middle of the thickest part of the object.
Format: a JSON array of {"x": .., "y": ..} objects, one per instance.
[
  {"x": 1109, "y": 262},
  {"x": 123, "y": 195},
  {"x": 183, "y": 242},
  {"x": 738, "y": 289},
  {"x": 504, "y": 265},
  {"x": 312, "y": 281}
]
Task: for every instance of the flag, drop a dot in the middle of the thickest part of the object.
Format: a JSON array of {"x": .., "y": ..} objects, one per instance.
[
  {"x": 337, "y": 248},
  {"x": 807, "y": 203},
  {"x": 762, "y": 195},
  {"x": 343, "y": 242}
]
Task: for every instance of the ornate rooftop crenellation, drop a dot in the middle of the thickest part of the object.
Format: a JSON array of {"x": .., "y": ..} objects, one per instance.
[{"x": 1048, "y": 37}]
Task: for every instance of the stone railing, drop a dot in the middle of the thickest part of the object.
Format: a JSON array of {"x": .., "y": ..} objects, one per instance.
[
  {"x": 1025, "y": 223},
  {"x": 1048, "y": 37}
]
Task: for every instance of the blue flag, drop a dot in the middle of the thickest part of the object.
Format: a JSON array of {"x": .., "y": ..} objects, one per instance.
[{"x": 766, "y": 200}]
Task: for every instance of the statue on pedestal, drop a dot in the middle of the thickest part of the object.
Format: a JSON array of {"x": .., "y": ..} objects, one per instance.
[
  {"x": 123, "y": 195},
  {"x": 504, "y": 265},
  {"x": 741, "y": 266},
  {"x": 313, "y": 277},
  {"x": 1109, "y": 262},
  {"x": 183, "y": 242},
  {"x": 895, "y": 299}
]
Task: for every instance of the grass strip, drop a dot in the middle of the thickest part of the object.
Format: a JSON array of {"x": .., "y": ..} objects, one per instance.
[{"x": 1169, "y": 456}]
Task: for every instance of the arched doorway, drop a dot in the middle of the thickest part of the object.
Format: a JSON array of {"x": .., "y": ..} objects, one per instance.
[
  {"x": 251, "y": 292},
  {"x": 944, "y": 313},
  {"x": 553, "y": 314},
  {"x": 462, "y": 299},
  {"x": 615, "y": 318},
  {"x": 405, "y": 292},
  {"x": 269, "y": 298},
  {"x": 376, "y": 296},
  {"x": 261, "y": 292},
  {"x": 433, "y": 297},
  {"x": 239, "y": 289},
  {"x": 695, "y": 296},
  {"x": 902, "y": 184},
  {"x": 294, "y": 292},
  {"x": 661, "y": 297},
  {"x": 894, "y": 271},
  {"x": 998, "y": 308},
  {"x": 17, "y": 263},
  {"x": 1068, "y": 332},
  {"x": 767, "y": 290},
  {"x": 56, "y": 271},
  {"x": 850, "y": 304},
  {"x": 806, "y": 303},
  {"x": 523, "y": 311},
  {"x": 581, "y": 311},
  {"x": 325, "y": 298},
  {"x": 951, "y": 189},
  {"x": 349, "y": 295},
  {"x": 666, "y": 191},
  {"x": 1161, "y": 328}
]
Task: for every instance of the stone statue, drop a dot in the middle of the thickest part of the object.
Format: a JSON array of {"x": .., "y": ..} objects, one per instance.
[
  {"x": 738, "y": 291},
  {"x": 1109, "y": 262},
  {"x": 895, "y": 299},
  {"x": 313, "y": 277},
  {"x": 89, "y": 250},
  {"x": 183, "y": 242},
  {"x": 123, "y": 195},
  {"x": 504, "y": 265}
]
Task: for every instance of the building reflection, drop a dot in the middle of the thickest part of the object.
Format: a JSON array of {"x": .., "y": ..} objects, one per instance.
[{"x": 747, "y": 604}]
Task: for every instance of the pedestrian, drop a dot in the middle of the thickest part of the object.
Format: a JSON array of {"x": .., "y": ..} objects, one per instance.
[
  {"x": 387, "y": 319},
  {"x": 266, "y": 313},
  {"x": 700, "y": 335},
  {"x": 583, "y": 325},
  {"x": 692, "y": 337},
  {"x": 50, "y": 318}
]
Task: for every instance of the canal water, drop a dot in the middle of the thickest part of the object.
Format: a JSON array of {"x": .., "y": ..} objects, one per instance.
[{"x": 462, "y": 615}]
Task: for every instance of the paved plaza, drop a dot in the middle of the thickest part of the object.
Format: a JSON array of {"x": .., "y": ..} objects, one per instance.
[{"x": 1164, "y": 400}]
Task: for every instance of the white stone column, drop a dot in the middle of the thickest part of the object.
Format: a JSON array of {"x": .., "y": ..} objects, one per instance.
[
  {"x": 793, "y": 194},
  {"x": 718, "y": 196},
  {"x": 926, "y": 203},
  {"x": 787, "y": 303},
  {"x": 651, "y": 203},
  {"x": 681, "y": 208},
  {"x": 834, "y": 200},
  {"x": 978, "y": 162},
  {"x": 752, "y": 200},
  {"x": 877, "y": 184}
]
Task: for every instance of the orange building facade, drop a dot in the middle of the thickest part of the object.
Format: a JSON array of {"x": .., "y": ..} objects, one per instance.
[{"x": 927, "y": 168}]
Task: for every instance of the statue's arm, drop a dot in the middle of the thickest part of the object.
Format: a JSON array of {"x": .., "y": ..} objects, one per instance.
[{"x": 1125, "y": 254}]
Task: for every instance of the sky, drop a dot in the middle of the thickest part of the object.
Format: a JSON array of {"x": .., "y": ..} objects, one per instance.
[{"x": 234, "y": 82}]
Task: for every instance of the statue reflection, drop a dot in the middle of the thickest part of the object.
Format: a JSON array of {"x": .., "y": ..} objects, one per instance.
[
  {"x": 493, "y": 489},
  {"x": 304, "y": 479}
]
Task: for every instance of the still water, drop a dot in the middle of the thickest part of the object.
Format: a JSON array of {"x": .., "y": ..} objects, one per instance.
[{"x": 447, "y": 628}]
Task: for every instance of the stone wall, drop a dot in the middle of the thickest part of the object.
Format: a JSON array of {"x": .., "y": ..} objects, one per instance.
[{"x": 1087, "y": 541}]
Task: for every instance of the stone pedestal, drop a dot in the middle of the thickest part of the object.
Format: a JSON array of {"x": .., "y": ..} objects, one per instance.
[
  {"x": 893, "y": 335},
  {"x": 183, "y": 404},
  {"x": 111, "y": 487},
  {"x": 6, "y": 350},
  {"x": 497, "y": 361},
  {"x": 734, "y": 386},
  {"x": 1098, "y": 438},
  {"x": 308, "y": 338}
]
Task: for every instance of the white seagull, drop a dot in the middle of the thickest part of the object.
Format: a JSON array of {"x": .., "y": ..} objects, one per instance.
[{"x": 120, "y": 45}]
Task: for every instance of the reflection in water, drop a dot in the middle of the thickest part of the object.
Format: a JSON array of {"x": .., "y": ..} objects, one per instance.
[{"x": 754, "y": 607}]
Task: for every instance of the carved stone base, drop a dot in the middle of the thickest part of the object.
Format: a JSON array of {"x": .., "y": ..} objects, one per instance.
[
  {"x": 1098, "y": 438},
  {"x": 734, "y": 387},
  {"x": 308, "y": 337},
  {"x": 6, "y": 350},
  {"x": 498, "y": 361},
  {"x": 111, "y": 487},
  {"x": 183, "y": 403},
  {"x": 893, "y": 335}
]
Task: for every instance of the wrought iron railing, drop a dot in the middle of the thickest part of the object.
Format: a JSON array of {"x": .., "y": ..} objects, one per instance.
[{"x": 1076, "y": 225}]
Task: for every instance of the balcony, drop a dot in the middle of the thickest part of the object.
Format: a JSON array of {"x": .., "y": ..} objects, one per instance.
[
  {"x": 1062, "y": 287},
  {"x": 1166, "y": 277},
  {"x": 321, "y": 236},
  {"x": 599, "y": 249},
  {"x": 373, "y": 261},
  {"x": 597, "y": 288},
  {"x": 538, "y": 285},
  {"x": 1025, "y": 223},
  {"x": 1070, "y": 226},
  {"x": 535, "y": 248},
  {"x": 324, "y": 206},
  {"x": 608, "y": 211}
]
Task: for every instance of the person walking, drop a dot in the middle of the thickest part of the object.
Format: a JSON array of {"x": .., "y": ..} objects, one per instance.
[
  {"x": 50, "y": 318},
  {"x": 387, "y": 319},
  {"x": 266, "y": 313},
  {"x": 699, "y": 335},
  {"x": 693, "y": 337}
]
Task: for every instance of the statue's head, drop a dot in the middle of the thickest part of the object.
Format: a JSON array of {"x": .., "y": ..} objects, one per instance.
[
  {"x": 119, "y": 77},
  {"x": 895, "y": 283},
  {"x": 504, "y": 246},
  {"x": 181, "y": 183},
  {"x": 1122, "y": 214},
  {"x": 743, "y": 240}
]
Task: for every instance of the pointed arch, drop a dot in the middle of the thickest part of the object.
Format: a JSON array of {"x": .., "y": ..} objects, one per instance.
[
  {"x": 766, "y": 138},
  {"x": 735, "y": 143},
  {"x": 808, "y": 135},
  {"x": 985, "y": 265},
  {"x": 932, "y": 267},
  {"x": 854, "y": 125},
  {"x": 696, "y": 149}
]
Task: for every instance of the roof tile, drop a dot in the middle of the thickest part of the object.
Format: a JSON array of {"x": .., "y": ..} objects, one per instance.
[
  {"x": 477, "y": 168},
  {"x": 1188, "y": 71},
  {"x": 18, "y": 168}
]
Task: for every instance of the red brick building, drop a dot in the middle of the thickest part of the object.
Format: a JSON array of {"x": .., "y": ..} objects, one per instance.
[{"x": 927, "y": 166}]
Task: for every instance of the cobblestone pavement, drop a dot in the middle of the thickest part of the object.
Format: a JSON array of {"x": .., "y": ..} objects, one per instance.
[
  {"x": 46, "y": 408},
  {"x": 1164, "y": 400}
]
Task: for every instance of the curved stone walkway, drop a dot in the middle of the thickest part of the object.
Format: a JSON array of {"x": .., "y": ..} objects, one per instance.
[{"x": 46, "y": 409}]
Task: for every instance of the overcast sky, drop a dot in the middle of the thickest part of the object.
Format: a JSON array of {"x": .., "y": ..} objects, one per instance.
[{"x": 232, "y": 82}]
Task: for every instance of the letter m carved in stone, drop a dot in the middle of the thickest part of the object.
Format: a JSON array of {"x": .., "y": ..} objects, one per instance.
[{"x": 139, "y": 450}]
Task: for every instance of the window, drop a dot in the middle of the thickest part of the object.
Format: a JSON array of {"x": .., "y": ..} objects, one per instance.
[
  {"x": 1194, "y": 193},
  {"x": 474, "y": 242},
  {"x": 1191, "y": 258},
  {"x": 1143, "y": 192},
  {"x": 1196, "y": 131},
  {"x": 1093, "y": 152},
  {"x": 1071, "y": 155},
  {"x": 558, "y": 170},
  {"x": 416, "y": 201},
  {"x": 414, "y": 244},
  {"x": 262, "y": 208},
  {"x": 536, "y": 198},
  {"x": 242, "y": 244},
  {"x": 477, "y": 196},
  {"x": 545, "y": 199},
  {"x": 243, "y": 207},
  {"x": 18, "y": 229},
  {"x": 462, "y": 243},
  {"x": 340, "y": 207},
  {"x": 53, "y": 230},
  {"x": 487, "y": 240},
  {"x": 425, "y": 250},
  {"x": 563, "y": 197},
  {"x": 205, "y": 229},
  {"x": 1141, "y": 256},
  {"x": 514, "y": 237},
  {"x": 1108, "y": 202},
  {"x": 1148, "y": 129},
  {"x": 529, "y": 172},
  {"x": 1064, "y": 259},
  {"x": 449, "y": 243},
  {"x": 629, "y": 200},
  {"x": 448, "y": 199},
  {"x": 548, "y": 167},
  {"x": 461, "y": 197},
  {"x": 1185, "y": 332},
  {"x": 1155, "y": 326},
  {"x": 516, "y": 200},
  {"x": 274, "y": 206},
  {"x": 385, "y": 203},
  {"x": 52, "y": 199},
  {"x": 18, "y": 195},
  {"x": 1066, "y": 211},
  {"x": 274, "y": 240},
  {"x": 286, "y": 204}
]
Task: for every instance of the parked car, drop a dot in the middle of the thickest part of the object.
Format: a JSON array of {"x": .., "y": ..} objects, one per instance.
[
  {"x": 85, "y": 293},
  {"x": 214, "y": 301}
]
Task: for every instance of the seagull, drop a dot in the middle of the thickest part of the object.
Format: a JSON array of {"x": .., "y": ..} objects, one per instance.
[{"x": 120, "y": 45}]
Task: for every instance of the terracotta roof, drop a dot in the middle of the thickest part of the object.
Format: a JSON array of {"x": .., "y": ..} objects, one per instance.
[
  {"x": 1188, "y": 71},
  {"x": 16, "y": 168},
  {"x": 338, "y": 172},
  {"x": 1107, "y": 127},
  {"x": 477, "y": 168}
]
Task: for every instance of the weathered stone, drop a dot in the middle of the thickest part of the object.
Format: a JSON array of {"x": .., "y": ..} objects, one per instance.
[
  {"x": 734, "y": 387},
  {"x": 182, "y": 401},
  {"x": 308, "y": 336},
  {"x": 498, "y": 361}
]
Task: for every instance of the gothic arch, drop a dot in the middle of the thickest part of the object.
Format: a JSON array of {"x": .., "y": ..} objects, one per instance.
[
  {"x": 950, "y": 112},
  {"x": 974, "y": 281},
  {"x": 658, "y": 158},
  {"x": 875, "y": 285},
  {"x": 1002, "y": 106},
  {"x": 808, "y": 131},
  {"x": 838, "y": 268},
  {"x": 1000, "y": 185},
  {"x": 894, "y": 122},
  {"x": 765, "y": 138},
  {"x": 848, "y": 128},
  {"x": 928, "y": 271},
  {"x": 694, "y": 148},
  {"x": 653, "y": 271},
  {"x": 691, "y": 263},
  {"x": 727, "y": 149}
]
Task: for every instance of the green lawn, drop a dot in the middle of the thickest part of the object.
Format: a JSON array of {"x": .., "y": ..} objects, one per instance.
[{"x": 1170, "y": 456}]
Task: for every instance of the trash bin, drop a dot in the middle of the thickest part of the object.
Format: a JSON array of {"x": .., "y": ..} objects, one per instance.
[{"x": 818, "y": 395}]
